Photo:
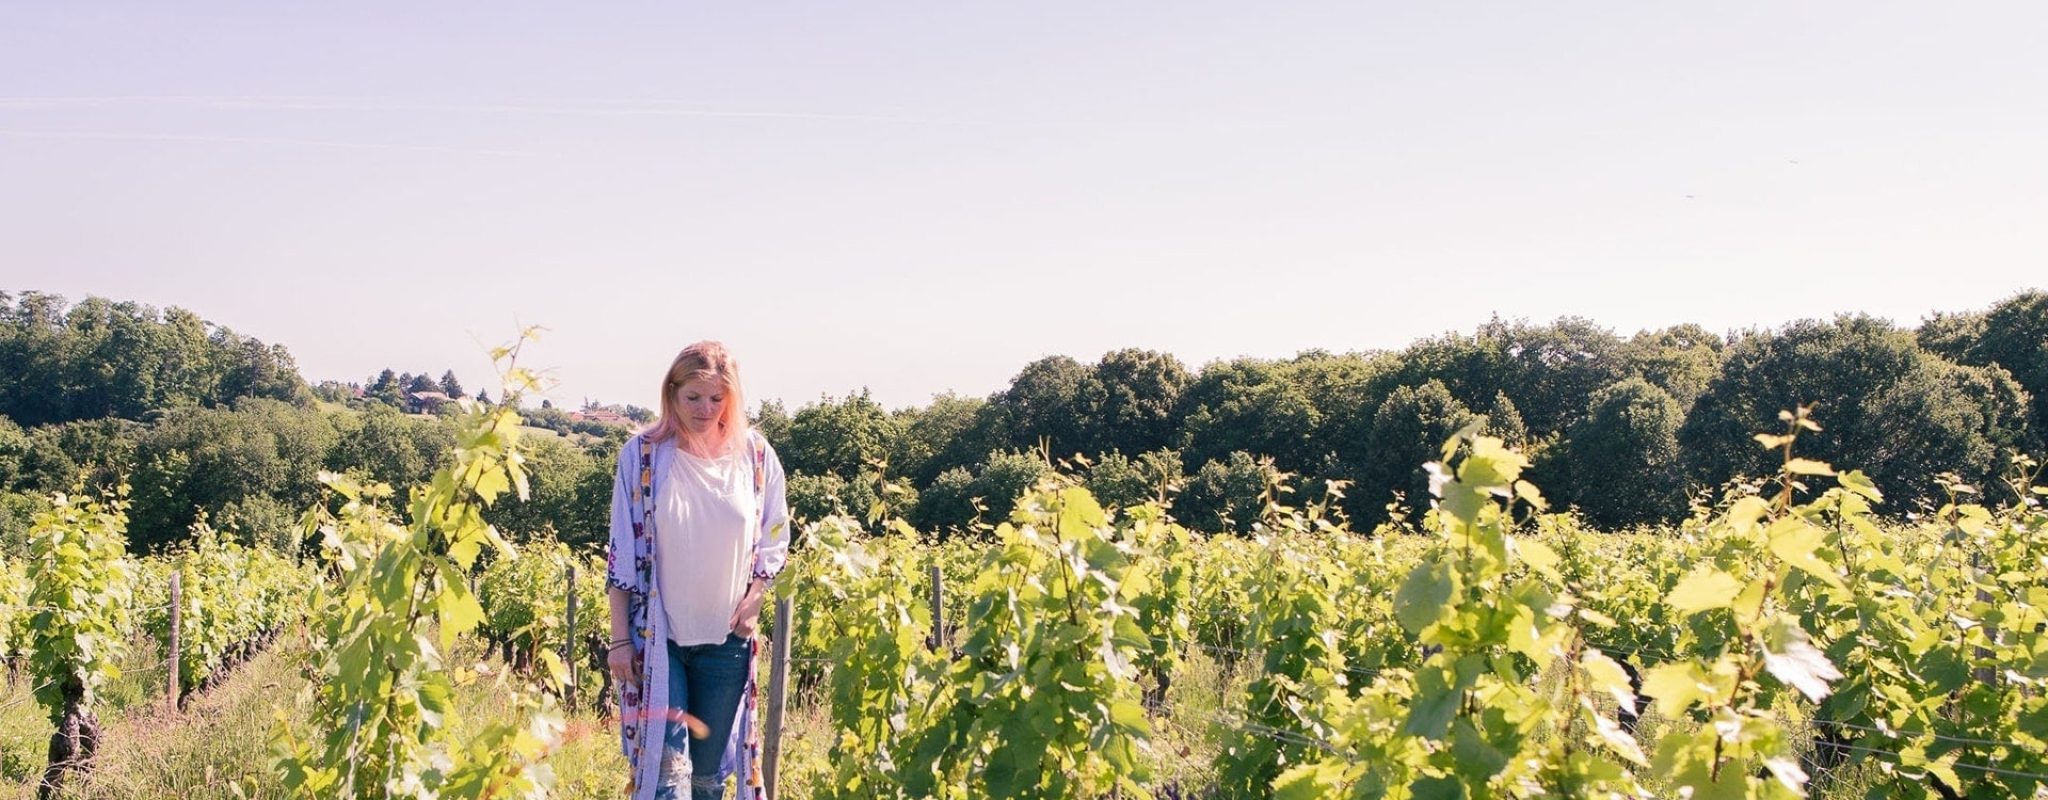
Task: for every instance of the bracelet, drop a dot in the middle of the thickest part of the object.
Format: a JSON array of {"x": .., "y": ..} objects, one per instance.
[{"x": 618, "y": 644}]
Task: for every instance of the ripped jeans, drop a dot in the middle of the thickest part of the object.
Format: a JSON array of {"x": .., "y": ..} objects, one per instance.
[{"x": 705, "y": 680}]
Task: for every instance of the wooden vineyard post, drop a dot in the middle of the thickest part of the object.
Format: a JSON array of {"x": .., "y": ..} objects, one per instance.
[
  {"x": 171, "y": 648},
  {"x": 778, "y": 690},
  {"x": 938, "y": 637},
  {"x": 569, "y": 642}
]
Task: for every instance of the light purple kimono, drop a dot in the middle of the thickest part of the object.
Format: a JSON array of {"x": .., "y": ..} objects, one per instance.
[{"x": 643, "y": 709}]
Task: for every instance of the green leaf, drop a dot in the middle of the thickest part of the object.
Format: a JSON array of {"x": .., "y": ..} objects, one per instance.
[
  {"x": 1791, "y": 657},
  {"x": 1450, "y": 446},
  {"x": 1702, "y": 589},
  {"x": 1491, "y": 466},
  {"x": 1604, "y": 675},
  {"x": 557, "y": 672},
  {"x": 1676, "y": 687},
  {"x": 1129, "y": 715},
  {"x": 1861, "y": 484},
  {"x": 1437, "y": 789},
  {"x": 1462, "y": 502},
  {"x": 1692, "y": 766},
  {"x": 1786, "y": 770},
  {"x": 1472, "y": 756},
  {"x": 1807, "y": 466},
  {"x": 1619, "y": 740},
  {"x": 459, "y": 613},
  {"x": 1539, "y": 556},
  {"x": 1311, "y": 781},
  {"x": 1422, "y": 598},
  {"x": 1793, "y": 539},
  {"x": 1436, "y": 703}
]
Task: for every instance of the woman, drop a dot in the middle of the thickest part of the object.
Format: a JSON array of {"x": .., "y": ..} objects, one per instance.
[{"x": 699, "y": 530}]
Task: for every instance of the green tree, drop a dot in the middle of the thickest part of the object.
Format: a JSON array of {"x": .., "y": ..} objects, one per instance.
[
  {"x": 2013, "y": 335},
  {"x": 1407, "y": 431},
  {"x": 1952, "y": 336},
  {"x": 1681, "y": 360},
  {"x": 549, "y": 417},
  {"x": 771, "y": 418},
  {"x": 390, "y": 447},
  {"x": 102, "y": 358},
  {"x": 983, "y": 429},
  {"x": 569, "y": 493},
  {"x": 386, "y": 389},
  {"x": 1899, "y": 412},
  {"x": 334, "y": 391},
  {"x": 450, "y": 386},
  {"x": 1004, "y": 477},
  {"x": 1127, "y": 403},
  {"x": 1043, "y": 404},
  {"x": 947, "y": 502},
  {"x": 31, "y": 355},
  {"x": 1345, "y": 390},
  {"x": 926, "y": 436},
  {"x": 813, "y": 497},
  {"x": 838, "y": 437},
  {"x": 254, "y": 369},
  {"x": 98, "y": 450},
  {"x": 207, "y": 459},
  {"x": 422, "y": 383},
  {"x": 14, "y": 448},
  {"x": 1622, "y": 462},
  {"x": 111, "y": 352},
  {"x": 1249, "y": 405},
  {"x": 1504, "y": 422},
  {"x": 1226, "y": 495},
  {"x": 1120, "y": 481},
  {"x": 188, "y": 374},
  {"x": 1549, "y": 370}
]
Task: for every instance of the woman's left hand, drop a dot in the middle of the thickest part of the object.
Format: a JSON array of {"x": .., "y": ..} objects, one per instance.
[{"x": 747, "y": 617}]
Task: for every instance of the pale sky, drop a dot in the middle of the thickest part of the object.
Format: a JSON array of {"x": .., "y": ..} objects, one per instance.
[{"x": 923, "y": 197}]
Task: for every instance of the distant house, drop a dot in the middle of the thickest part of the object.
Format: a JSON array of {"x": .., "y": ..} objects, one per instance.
[
  {"x": 426, "y": 402},
  {"x": 601, "y": 416}
]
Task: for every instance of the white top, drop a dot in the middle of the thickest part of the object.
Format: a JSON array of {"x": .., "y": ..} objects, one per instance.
[{"x": 707, "y": 522}]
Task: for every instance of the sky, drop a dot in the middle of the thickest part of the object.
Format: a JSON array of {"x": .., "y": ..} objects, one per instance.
[{"x": 924, "y": 197}]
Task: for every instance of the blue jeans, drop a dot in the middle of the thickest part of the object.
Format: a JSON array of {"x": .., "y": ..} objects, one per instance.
[{"x": 705, "y": 680}]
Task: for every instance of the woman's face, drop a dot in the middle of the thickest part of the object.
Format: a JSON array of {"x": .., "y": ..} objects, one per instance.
[{"x": 702, "y": 401}]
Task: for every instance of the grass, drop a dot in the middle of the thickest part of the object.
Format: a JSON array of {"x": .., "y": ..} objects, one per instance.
[
  {"x": 1187, "y": 732},
  {"x": 219, "y": 746}
]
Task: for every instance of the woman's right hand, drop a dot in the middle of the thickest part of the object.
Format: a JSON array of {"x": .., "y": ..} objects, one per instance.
[{"x": 620, "y": 661}]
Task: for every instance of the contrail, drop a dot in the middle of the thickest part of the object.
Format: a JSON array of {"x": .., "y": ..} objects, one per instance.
[
  {"x": 575, "y": 107},
  {"x": 264, "y": 140}
]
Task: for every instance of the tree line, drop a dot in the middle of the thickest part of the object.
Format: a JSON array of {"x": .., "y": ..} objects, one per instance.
[
  {"x": 102, "y": 358},
  {"x": 398, "y": 390},
  {"x": 1626, "y": 429},
  {"x": 200, "y": 420}
]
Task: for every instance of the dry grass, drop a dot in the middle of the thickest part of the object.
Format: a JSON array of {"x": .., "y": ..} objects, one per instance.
[{"x": 219, "y": 746}]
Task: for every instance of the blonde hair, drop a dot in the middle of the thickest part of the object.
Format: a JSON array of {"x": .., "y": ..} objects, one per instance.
[{"x": 707, "y": 360}]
